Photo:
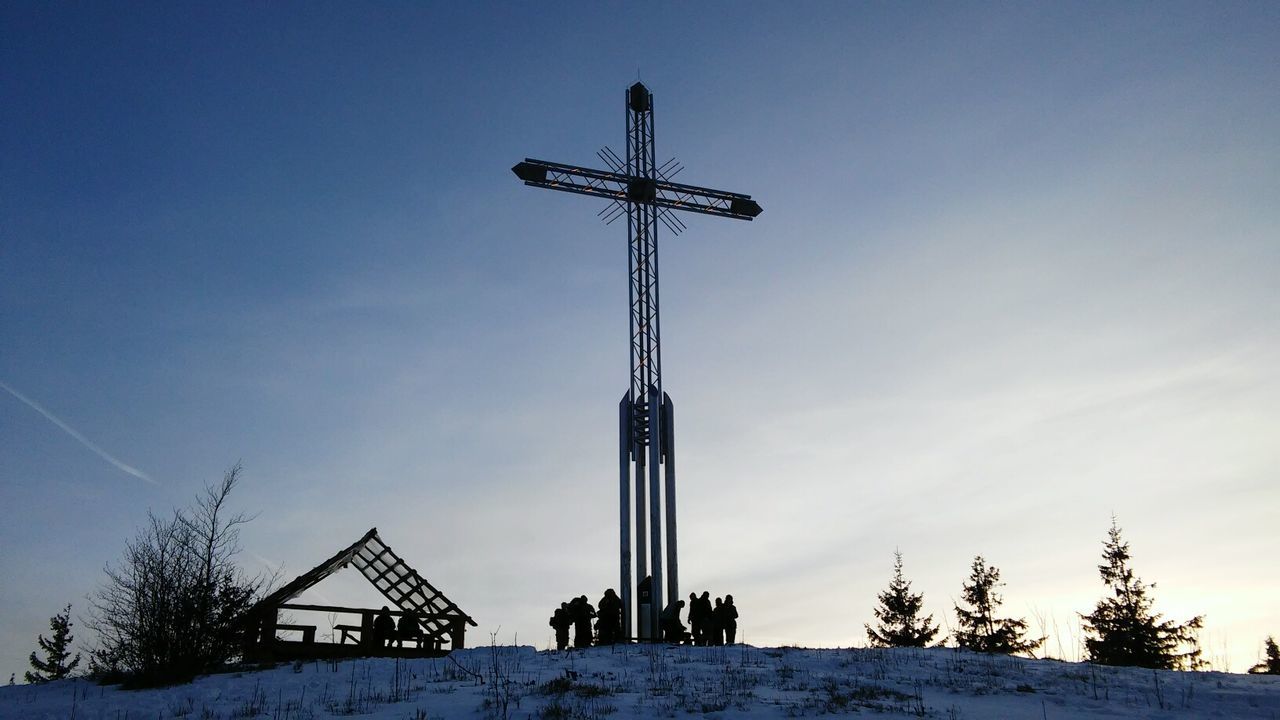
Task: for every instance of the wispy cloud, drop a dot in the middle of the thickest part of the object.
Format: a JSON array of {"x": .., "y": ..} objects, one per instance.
[{"x": 76, "y": 434}]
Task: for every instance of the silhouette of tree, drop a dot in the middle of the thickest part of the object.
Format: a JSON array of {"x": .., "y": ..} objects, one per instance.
[
  {"x": 56, "y": 651},
  {"x": 1123, "y": 630},
  {"x": 980, "y": 630},
  {"x": 899, "y": 615},
  {"x": 172, "y": 608},
  {"x": 1270, "y": 666}
]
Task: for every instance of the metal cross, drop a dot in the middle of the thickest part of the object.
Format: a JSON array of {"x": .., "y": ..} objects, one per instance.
[{"x": 642, "y": 190}]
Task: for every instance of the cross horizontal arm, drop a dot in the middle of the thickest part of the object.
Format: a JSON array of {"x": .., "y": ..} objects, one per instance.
[
  {"x": 601, "y": 183},
  {"x": 617, "y": 186}
]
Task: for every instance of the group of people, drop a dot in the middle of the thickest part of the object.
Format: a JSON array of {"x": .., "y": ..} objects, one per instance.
[
  {"x": 578, "y": 613},
  {"x": 386, "y": 630},
  {"x": 709, "y": 624}
]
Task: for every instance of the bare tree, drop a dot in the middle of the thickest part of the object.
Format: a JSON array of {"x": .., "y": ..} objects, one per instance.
[{"x": 171, "y": 608}]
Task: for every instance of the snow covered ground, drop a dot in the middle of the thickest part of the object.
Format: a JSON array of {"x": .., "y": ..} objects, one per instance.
[{"x": 661, "y": 681}]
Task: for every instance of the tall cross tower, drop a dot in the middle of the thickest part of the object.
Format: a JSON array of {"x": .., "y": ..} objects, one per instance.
[{"x": 642, "y": 190}]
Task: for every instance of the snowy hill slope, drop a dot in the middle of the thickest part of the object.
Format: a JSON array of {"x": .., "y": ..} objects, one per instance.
[{"x": 644, "y": 682}]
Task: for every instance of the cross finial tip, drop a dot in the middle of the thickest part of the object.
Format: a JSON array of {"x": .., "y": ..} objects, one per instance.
[{"x": 638, "y": 97}]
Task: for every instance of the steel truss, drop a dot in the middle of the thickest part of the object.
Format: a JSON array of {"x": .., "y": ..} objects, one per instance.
[{"x": 644, "y": 192}]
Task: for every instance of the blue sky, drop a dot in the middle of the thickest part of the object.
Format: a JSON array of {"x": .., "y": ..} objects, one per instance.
[{"x": 1016, "y": 272}]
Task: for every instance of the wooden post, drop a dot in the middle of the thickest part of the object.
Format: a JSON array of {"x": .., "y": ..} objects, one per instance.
[
  {"x": 366, "y": 629},
  {"x": 267, "y": 626},
  {"x": 458, "y": 634}
]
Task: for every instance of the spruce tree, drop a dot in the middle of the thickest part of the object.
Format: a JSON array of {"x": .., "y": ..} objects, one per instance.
[
  {"x": 899, "y": 615},
  {"x": 1270, "y": 666},
  {"x": 980, "y": 629},
  {"x": 1123, "y": 630},
  {"x": 57, "y": 650}
]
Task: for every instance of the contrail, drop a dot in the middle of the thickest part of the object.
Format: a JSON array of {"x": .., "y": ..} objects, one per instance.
[{"x": 75, "y": 434}]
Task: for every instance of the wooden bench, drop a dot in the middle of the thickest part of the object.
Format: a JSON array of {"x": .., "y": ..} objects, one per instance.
[
  {"x": 421, "y": 640},
  {"x": 308, "y": 632},
  {"x": 352, "y": 633},
  {"x": 349, "y": 632}
]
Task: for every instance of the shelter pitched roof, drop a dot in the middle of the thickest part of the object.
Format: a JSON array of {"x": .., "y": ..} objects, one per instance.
[{"x": 392, "y": 576}]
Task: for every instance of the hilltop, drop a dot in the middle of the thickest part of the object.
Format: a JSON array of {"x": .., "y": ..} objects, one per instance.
[{"x": 626, "y": 682}]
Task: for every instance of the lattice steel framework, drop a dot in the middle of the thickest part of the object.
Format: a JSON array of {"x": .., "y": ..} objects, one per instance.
[{"x": 642, "y": 190}]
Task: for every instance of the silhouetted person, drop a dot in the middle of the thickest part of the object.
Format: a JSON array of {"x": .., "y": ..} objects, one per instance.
[
  {"x": 705, "y": 618},
  {"x": 561, "y": 621},
  {"x": 716, "y": 636},
  {"x": 695, "y": 619},
  {"x": 727, "y": 620},
  {"x": 609, "y": 622},
  {"x": 582, "y": 612},
  {"x": 384, "y": 627},
  {"x": 672, "y": 629},
  {"x": 408, "y": 629}
]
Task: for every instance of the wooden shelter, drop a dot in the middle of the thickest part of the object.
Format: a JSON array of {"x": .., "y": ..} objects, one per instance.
[{"x": 441, "y": 621}]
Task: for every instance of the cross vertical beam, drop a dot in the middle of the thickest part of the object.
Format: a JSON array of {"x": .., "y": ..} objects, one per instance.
[
  {"x": 646, "y": 441},
  {"x": 646, "y": 353}
]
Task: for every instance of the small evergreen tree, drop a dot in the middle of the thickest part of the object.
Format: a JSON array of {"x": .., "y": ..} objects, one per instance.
[
  {"x": 1270, "y": 666},
  {"x": 899, "y": 615},
  {"x": 56, "y": 651},
  {"x": 980, "y": 629},
  {"x": 1123, "y": 630}
]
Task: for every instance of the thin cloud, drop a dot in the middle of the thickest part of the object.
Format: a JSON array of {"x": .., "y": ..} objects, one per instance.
[{"x": 76, "y": 434}]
